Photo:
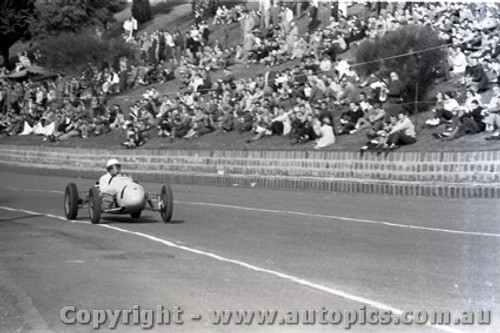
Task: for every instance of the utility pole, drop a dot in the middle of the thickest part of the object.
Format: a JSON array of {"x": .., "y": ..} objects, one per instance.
[{"x": 417, "y": 58}]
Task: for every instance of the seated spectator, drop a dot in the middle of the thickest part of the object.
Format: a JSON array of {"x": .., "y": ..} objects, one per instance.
[
  {"x": 349, "y": 119},
  {"x": 458, "y": 62},
  {"x": 373, "y": 119},
  {"x": 395, "y": 89},
  {"x": 306, "y": 131},
  {"x": 470, "y": 122},
  {"x": 134, "y": 136},
  {"x": 445, "y": 110},
  {"x": 325, "y": 134},
  {"x": 478, "y": 75},
  {"x": 201, "y": 124},
  {"x": 244, "y": 121},
  {"x": 402, "y": 133}
]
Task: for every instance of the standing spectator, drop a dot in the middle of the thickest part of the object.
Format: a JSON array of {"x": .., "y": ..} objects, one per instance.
[
  {"x": 276, "y": 14},
  {"x": 130, "y": 28},
  {"x": 313, "y": 13},
  {"x": 287, "y": 18},
  {"x": 265, "y": 13},
  {"x": 325, "y": 13}
]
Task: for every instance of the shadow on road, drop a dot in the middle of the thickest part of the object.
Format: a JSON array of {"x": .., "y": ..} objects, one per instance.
[
  {"x": 142, "y": 220},
  {"x": 19, "y": 218}
]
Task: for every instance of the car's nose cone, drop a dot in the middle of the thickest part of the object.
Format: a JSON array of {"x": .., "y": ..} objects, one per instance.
[{"x": 133, "y": 198}]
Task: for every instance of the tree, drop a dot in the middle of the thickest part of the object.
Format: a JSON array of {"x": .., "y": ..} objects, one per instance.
[
  {"x": 62, "y": 16},
  {"x": 14, "y": 23},
  {"x": 74, "y": 51},
  {"x": 413, "y": 51},
  {"x": 141, "y": 10}
]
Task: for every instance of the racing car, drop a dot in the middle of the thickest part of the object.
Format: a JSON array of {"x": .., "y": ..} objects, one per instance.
[{"x": 131, "y": 198}]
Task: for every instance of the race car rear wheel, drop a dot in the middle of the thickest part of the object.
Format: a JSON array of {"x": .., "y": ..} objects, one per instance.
[
  {"x": 94, "y": 205},
  {"x": 166, "y": 203},
  {"x": 136, "y": 215},
  {"x": 71, "y": 201}
]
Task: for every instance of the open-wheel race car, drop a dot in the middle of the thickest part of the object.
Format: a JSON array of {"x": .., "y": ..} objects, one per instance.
[{"x": 130, "y": 198}]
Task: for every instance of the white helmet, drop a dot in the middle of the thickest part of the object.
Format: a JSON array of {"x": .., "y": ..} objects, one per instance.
[{"x": 112, "y": 162}]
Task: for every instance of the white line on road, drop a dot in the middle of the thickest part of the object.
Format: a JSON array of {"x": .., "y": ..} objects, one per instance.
[
  {"x": 331, "y": 217},
  {"x": 32, "y": 190},
  {"x": 342, "y": 218},
  {"x": 291, "y": 278},
  {"x": 10, "y": 209}
]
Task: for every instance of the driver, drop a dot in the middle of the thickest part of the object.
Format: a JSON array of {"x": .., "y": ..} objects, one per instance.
[{"x": 114, "y": 169}]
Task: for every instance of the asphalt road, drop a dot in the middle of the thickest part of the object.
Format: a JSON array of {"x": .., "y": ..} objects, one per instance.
[{"x": 245, "y": 249}]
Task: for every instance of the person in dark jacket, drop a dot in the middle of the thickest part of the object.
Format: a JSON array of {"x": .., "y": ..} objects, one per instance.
[
  {"x": 471, "y": 122},
  {"x": 478, "y": 75}
]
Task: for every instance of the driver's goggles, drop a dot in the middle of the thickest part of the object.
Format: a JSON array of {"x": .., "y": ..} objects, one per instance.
[{"x": 115, "y": 167}]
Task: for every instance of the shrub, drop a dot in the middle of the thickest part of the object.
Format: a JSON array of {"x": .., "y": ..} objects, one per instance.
[
  {"x": 164, "y": 7},
  {"x": 412, "y": 51},
  {"x": 141, "y": 10},
  {"x": 71, "y": 51}
]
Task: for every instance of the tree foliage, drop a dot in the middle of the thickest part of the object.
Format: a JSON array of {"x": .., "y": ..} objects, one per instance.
[
  {"x": 14, "y": 23},
  {"x": 74, "y": 51},
  {"x": 412, "y": 51},
  {"x": 62, "y": 16},
  {"x": 141, "y": 10}
]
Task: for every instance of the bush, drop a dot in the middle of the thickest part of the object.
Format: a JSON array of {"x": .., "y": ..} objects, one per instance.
[
  {"x": 118, "y": 6},
  {"x": 384, "y": 55},
  {"x": 72, "y": 51},
  {"x": 162, "y": 8},
  {"x": 141, "y": 10}
]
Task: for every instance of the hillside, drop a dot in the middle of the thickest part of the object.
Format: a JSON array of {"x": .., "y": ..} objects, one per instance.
[{"x": 180, "y": 17}]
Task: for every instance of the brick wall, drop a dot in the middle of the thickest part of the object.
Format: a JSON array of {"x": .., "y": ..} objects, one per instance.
[{"x": 449, "y": 174}]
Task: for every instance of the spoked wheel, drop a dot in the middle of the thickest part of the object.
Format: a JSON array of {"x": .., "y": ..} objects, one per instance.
[
  {"x": 136, "y": 215},
  {"x": 94, "y": 205},
  {"x": 166, "y": 203},
  {"x": 71, "y": 201}
]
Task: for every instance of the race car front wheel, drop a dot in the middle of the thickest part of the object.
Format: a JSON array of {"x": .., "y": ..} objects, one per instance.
[
  {"x": 71, "y": 201},
  {"x": 166, "y": 203},
  {"x": 94, "y": 205}
]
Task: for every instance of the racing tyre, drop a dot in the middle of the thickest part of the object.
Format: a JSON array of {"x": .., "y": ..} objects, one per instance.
[
  {"x": 166, "y": 204},
  {"x": 71, "y": 201},
  {"x": 94, "y": 205},
  {"x": 136, "y": 215}
]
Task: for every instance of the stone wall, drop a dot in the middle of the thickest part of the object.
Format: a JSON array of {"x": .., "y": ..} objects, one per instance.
[{"x": 449, "y": 174}]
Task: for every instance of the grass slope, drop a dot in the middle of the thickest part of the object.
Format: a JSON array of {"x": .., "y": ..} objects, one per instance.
[{"x": 180, "y": 17}]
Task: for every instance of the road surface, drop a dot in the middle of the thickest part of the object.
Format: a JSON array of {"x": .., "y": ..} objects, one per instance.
[{"x": 245, "y": 249}]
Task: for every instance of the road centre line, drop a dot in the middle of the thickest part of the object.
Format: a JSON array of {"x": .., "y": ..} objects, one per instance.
[
  {"x": 342, "y": 218},
  {"x": 30, "y": 212},
  {"x": 331, "y": 217},
  {"x": 290, "y": 278}
]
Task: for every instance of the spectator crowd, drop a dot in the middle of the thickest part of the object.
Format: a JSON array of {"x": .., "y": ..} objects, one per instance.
[{"x": 316, "y": 98}]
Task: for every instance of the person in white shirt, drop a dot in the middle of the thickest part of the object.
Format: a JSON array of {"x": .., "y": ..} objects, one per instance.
[
  {"x": 459, "y": 62},
  {"x": 492, "y": 112},
  {"x": 445, "y": 110},
  {"x": 287, "y": 18},
  {"x": 265, "y": 13},
  {"x": 130, "y": 27},
  {"x": 325, "y": 65},
  {"x": 402, "y": 133},
  {"x": 325, "y": 134}
]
